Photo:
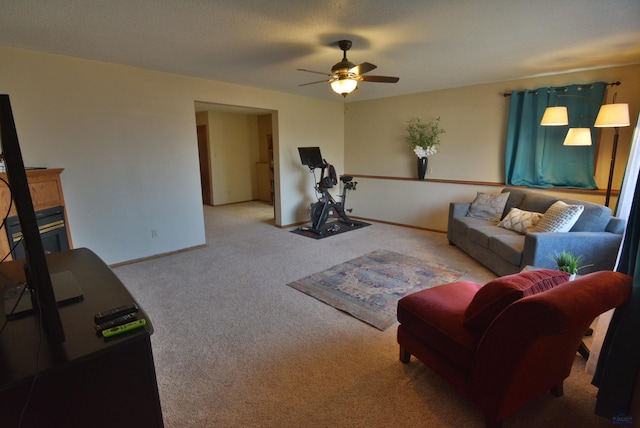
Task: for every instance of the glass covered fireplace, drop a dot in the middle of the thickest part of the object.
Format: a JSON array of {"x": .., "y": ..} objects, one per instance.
[{"x": 53, "y": 231}]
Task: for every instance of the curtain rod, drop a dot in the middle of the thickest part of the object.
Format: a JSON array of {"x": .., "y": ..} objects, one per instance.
[{"x": 560, "y": 88}]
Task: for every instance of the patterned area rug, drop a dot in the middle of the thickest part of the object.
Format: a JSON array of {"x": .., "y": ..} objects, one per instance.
[{"x": 369, "y": 287}]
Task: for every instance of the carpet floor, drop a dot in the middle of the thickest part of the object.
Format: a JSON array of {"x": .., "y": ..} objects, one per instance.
[{"x": 234, "y": 346}]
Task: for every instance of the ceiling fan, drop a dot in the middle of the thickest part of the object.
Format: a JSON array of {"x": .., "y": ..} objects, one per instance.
[{"x": 345, "y": 75}]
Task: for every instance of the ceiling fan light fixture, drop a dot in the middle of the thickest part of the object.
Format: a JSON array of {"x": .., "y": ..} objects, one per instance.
[
  {"x": 344, "y": 86},
  {"x": 345, "y": 75}
]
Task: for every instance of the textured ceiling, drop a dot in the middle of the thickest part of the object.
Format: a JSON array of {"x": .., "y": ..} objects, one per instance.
[{"x": 429, "y": 44}]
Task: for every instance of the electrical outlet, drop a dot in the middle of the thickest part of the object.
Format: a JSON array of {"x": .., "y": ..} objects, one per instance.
[
  {"x": 430, "y": 170},
  {"x": 154, "y": 233}
]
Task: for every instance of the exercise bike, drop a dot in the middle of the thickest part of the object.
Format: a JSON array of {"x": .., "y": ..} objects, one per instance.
[{"x": 326, "y": 206}]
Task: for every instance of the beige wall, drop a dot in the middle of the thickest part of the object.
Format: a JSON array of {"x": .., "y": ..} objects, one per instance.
[
  {"x": 237, "y": 142},
  {"x": 296, "y": 121},
  {"x": 126, "y": 138},
  {"x": 233, "y": 142},
  {"x": 472, "y": 149}
]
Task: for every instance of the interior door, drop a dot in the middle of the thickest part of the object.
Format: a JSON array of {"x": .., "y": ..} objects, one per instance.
[{"x": 205, "y": 164}]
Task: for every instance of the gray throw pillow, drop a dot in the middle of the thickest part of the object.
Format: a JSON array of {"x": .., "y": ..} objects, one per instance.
[{"x": 488, "y": 206}]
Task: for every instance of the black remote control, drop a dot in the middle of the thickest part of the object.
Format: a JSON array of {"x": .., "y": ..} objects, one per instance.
[
  {"x": 116, "y": 322},
  {"x": 110, "y": 314}
]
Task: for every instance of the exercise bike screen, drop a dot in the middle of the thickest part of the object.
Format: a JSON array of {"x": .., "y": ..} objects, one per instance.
[{"x": 311, "y": 157}]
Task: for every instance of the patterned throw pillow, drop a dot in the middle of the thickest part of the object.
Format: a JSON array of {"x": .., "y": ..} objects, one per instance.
[
  {"x": 488, "y": 205},
  {"x": 560, "y": 217},
  {"x": 520, "y": 221}
]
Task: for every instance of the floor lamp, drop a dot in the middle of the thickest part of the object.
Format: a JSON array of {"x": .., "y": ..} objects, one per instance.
[{"x": 612, "y": 116}]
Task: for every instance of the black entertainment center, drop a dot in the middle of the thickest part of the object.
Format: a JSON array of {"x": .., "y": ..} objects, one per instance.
[
  {"x": 55, "y": 368},
  {"x": 87, "y": 380}
]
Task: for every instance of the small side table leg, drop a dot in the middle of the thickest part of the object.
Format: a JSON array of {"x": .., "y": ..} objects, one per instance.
[{"x": 583, "y": 351}]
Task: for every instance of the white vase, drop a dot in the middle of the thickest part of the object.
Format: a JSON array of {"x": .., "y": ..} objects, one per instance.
[{"x": 572, "y": 276}]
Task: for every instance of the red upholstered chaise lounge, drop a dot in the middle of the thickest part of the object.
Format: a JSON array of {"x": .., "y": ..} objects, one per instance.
[{"x": 508, "y": 342}]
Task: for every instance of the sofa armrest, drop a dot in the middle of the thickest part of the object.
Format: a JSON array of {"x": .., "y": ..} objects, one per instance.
[
  {"x": 599, "y": 249},
  {"x": 616, "y": 225},
  {"x": 456, "y": 210},
  {"x": 459, "y": 209}
]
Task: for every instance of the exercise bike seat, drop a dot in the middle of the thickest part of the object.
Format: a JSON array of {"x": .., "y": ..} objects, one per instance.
[{"x": 346, "y": 178}]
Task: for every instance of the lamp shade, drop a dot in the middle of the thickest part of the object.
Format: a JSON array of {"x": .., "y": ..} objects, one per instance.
[
  {"x": 555, "y": 116},
  {"x": 578, "y": 137},
  {"x": 344, "y": 86},
  {"x": 612, "y": 115}
]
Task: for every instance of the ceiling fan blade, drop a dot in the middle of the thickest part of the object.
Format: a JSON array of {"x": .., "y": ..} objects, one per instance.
[
  {"x": 311, "y": 71},
  {"x": 365, "y": 67},
  {"x": 380, "y": 79},
  {"x": 313, "y": 83}
]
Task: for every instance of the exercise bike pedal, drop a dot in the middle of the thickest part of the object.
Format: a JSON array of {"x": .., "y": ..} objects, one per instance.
[{"x": 349, "y": 210}]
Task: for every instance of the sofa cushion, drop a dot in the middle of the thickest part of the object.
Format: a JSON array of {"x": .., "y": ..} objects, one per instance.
[
  {"x": 435, "y": 316},
  {"x": 481, "y": 234},
  {"x": 520, "y": 221},
  {"x": 516, "y": 196},
  {"x": 489, "y": 206},
  {"x": 508, "y": 247},
  {"x": 464, "y": 223},
  {"x": 537, "y": 201},
  {"x": 496, "y": 295},
  {"x": 560, "y": 217}
]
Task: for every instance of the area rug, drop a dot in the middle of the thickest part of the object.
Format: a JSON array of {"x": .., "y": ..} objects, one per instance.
[
  {"x": 330, "y": 228},
  {"x": 369, "y": 287}
]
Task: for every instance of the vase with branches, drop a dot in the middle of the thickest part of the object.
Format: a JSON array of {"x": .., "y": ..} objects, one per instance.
[{"x": 424, "y": 138}]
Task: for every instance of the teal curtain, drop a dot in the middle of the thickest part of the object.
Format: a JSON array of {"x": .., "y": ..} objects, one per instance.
[
  {"x": 534, "y": 155},
  {"x": 619, "y": 360}
]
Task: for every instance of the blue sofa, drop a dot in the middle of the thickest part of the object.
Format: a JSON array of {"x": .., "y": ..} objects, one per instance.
[{"x": 596, "y": 235}]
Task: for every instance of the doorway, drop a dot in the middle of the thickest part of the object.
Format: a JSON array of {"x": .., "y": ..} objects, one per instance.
[{"x": 235, "y": 149}]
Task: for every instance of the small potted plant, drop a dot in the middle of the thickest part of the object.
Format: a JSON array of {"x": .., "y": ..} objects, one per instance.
[{"x": 568, "y": 262}]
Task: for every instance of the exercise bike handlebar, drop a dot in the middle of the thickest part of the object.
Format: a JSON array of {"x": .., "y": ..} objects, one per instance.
[{"x": 350, "y": 185}]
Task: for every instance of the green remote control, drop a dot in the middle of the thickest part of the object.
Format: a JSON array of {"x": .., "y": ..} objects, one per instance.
[{"x": 124, "y": 327}]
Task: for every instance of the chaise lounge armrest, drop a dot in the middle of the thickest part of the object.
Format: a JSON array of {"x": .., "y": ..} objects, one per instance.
[
  {"x": 539, "y": 247},
  {"x": 532, "y": 344}
]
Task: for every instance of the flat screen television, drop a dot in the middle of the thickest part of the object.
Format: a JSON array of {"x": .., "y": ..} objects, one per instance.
[{"x": 37, "y": 274}]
